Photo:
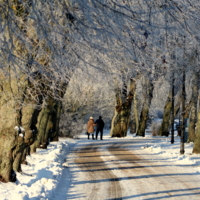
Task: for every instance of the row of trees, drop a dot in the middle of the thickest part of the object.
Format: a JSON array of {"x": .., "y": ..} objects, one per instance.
[
  {"x": 145, "y": 42},
  {"x": 121, "y": 49},
  {"x": 35, "y": 71}
]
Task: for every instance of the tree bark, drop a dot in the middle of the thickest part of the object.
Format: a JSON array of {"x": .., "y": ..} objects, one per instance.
[
  {"x": 196, "y": 148},
  {"x": 7, "y": 144},
  {"x": 123, "y": 110},
  {"x": 43, "y": 119},
  {"x": 56, "y": 121},
  {"x": 164, "y": 129},
  {"x": 46, "y": 136},
  {"x": 113, "y": 122},
  {"x": 57, "y": 113},
  {"x": 118, "y": 103},
  {"x": 135, "y": 121},
  {"x": 177, "y": 106},
  {"x": 17, "y": 111},
  {"x": 193, "y": 108},
  {"x": 148, "y": 95}
]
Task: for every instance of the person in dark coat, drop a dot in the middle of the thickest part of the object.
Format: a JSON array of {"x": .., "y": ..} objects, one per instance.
[{"x": 99, "y": 127}]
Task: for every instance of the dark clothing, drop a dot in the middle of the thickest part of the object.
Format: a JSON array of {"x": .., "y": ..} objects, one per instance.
[
  {"x": 99, "y": 128},
  {"x": 89, "y": 136},
  {"x": 101, "y": 133},
  {"x": 99, "y": 123}
]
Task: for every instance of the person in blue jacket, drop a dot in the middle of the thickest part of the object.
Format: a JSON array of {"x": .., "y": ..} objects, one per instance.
[{"x": 99, "y": 127}]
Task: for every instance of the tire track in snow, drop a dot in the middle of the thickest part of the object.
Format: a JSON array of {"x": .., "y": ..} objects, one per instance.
[
  {"x": 152, "y": 179},
  {"x": 108, "y": 170},
  {"x": 100, "y": 179}
]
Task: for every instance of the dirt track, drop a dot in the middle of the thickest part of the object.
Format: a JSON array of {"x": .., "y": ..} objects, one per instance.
[{"x": 106, "y": 170}]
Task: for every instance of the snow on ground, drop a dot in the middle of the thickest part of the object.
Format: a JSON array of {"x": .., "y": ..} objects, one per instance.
[{"x": 43, "y": 173}]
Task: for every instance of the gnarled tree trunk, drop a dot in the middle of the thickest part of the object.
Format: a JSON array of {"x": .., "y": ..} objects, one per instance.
[
  {"x": 49, "y": 118},
  {"x": 42, "y": 125},
  {"x": 196, "y": 148},
  {"x": 164, "y": 129},
  {"x": 17, "y": 124},
  {"x": 148, "y": 95},
  {"x": 123, "y": 110},
  {"x": 193, "y": 109}
]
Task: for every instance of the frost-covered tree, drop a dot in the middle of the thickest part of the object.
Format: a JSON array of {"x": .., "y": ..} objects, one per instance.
[
  {"x": 138, "y": 34},
  {"x": 43, "y": 43},
  {"x": 36, "y": 65}
]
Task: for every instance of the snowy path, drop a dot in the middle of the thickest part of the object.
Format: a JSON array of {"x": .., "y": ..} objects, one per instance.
[{"x": 120, "y": 169}]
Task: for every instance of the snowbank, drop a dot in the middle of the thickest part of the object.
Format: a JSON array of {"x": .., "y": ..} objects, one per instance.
[{"x": 40, "y": 177}]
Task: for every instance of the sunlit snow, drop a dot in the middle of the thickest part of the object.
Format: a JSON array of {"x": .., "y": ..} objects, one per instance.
[{"x": 47, "y": 169}]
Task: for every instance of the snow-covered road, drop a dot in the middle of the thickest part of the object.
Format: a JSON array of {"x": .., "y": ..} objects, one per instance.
[
  {"x": 147, "y": 167},
  {"x": 121, "y": 169}
]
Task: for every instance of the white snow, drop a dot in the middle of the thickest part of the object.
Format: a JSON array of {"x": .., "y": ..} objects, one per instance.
[{"x": 43, "y": 175}]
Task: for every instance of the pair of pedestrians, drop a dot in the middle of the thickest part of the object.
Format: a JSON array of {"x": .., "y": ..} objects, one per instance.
[{"x": 99, "y": 123}]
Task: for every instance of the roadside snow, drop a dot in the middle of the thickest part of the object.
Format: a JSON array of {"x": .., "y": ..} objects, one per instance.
[{"x": 42, "y": 175}]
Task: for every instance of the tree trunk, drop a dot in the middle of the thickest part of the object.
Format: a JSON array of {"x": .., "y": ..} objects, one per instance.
[
  {"x": 177, "y": 106},
  {"x": 17, "y": 112},
  {"x": 46, "y": 136},
  {"x": 7, "y": 144},
  {"x": 135, "y": 121},
  {"x": 49, "y": 118},
  {"x": 193, "y": 108},
  {"x": 143, "y": 120},
  {"x": 17, "y": 154},
  {"x": 196, "y": 148},
  {"x": 25, "y": 153},
  {"x": 148, "y": 95},
  {"x": 8, "y": 136},
  {"x": 164, "y": 129},
  {"x": 113, "y": 122},
  {"x": 123, "y": 110},
  {"x": 56, "y": 121},
  {"x": 54, "y": 133},
  {"x": 41, "y": 140},
  {"x": 118, "y": 103}
]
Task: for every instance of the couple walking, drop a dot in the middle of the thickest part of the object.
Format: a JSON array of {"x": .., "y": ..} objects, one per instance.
[{"x": 99, "y": 123}]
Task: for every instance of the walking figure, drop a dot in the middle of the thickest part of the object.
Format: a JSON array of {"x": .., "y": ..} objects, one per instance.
[
  {"x": 90, "y": 128},
  {"x": 99, "y": 127}
]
